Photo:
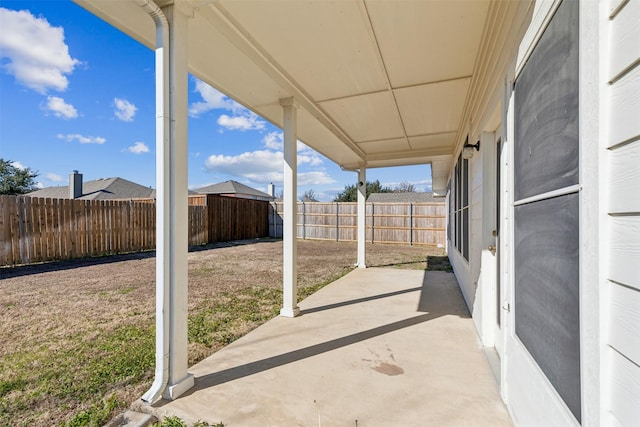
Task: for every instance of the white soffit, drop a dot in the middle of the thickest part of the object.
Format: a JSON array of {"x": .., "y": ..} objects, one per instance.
[
  {"x": 209, "y": 52},
  {"x": 366, "y": 117},
  {"x": 381, "y": 82},
  {"x": 428, "y": 41},
  {"x": 443, "y": 141},
  {"x": 323, "y": 45},
  {"x": 432, "y": 108},
  {"x": 385, "y": 146}
]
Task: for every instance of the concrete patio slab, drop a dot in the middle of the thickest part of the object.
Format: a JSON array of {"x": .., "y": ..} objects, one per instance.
[{"x": 378, "y": 347}]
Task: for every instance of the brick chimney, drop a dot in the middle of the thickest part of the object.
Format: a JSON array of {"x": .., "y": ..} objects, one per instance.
[{"x": 75, "y": 185}]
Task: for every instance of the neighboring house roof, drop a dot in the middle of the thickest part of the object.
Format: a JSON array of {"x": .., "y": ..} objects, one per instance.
[
  {"x": 190, "y": 193},
  {"x": 234, "y": 188},
  {"x": 99, "y": 189},
  {"x": 404, "y": 198}
]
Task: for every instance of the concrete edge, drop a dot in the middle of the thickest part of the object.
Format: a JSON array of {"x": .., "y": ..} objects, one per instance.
[{"x": 132, "y": 419}]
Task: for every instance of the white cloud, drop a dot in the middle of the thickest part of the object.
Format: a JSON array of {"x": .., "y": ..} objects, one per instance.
[
  {"x": 18, "y": 165},
  {"x": 314, "y": 178},
  {"x": 211, "y": 100},
  {"x": 241, "y": 119},
  {"x": 261, "y": 166},
  {"x": 70, "y": 137},
  {"x": 273, "y": 140},
  {"x": 37, "y": 54},
  {"x": 39, "y": 185},
  {"x": 247, "y": 121},
  {"x": 60, "y": 108},
  {"x": 312, "y": 159},
  {"x": 125, "y": 110},
  {"x": 53, "y": 177},
  {"x": 138, "y": 148}
]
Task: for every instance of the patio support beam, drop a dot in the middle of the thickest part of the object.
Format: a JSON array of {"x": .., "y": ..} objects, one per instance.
[
  {"x": 171, "y": 376},
  {"x": 290, "y": 251},
  {"x": 179, "y": 379},
  {"x": 362, "y": 207}
]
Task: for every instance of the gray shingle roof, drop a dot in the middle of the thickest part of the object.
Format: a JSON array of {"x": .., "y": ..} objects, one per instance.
[
  {"x": 404, "y": 198},
  {"x": 234, "y": 187},
  {"x": 99, "y": 189}
]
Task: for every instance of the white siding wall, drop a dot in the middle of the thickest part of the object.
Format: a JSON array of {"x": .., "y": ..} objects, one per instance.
[
  {"x": 474, "y": 289},
  {"x": 621, "y": 361},
  {"x": 468, "y": 273}
]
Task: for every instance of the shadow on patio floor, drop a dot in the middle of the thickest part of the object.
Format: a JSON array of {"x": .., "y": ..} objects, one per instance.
[{"x": 381, "y": 346}]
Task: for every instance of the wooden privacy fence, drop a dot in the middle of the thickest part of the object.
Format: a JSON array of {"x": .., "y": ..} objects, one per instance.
[
  {"x": 409, "y": 223},
  {"x": 37, "y": 230},
  {"x": 231, "y": 218}
]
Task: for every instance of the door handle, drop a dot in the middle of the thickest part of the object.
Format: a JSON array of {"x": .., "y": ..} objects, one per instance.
[{"x": 492, "y": 249}]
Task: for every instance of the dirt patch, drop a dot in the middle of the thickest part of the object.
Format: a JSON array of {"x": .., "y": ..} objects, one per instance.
[{"x": 65, "y": 325}]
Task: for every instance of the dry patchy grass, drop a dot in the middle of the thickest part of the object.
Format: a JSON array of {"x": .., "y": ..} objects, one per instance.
[{"x": 78, "y": 336}]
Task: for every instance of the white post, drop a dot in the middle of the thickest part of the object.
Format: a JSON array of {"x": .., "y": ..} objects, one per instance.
[
  {"x": 175, "y": 205},
  {"x": 163, "y": 205},
  {"x": 290, "y": 252},
  {"x": 362, "y": 226}
]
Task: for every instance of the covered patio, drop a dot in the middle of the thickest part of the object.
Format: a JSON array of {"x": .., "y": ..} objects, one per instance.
[
  {"x": 380, "y": 346},
  {"x": 367, "y": 84}
]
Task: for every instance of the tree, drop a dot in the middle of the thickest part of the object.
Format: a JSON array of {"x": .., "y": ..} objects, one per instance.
[
  {"x": 350, "y": 192},
  {"x": 309, "y": 196},
  {"x": 15, "y": 180},
  {"x": 405, "y": 187}
]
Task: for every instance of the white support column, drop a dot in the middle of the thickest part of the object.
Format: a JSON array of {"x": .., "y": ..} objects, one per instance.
[
  {"x": 290, "y": 252},
  {"x": 362, "y": 218},
  {"x": 175, "y": 204}
]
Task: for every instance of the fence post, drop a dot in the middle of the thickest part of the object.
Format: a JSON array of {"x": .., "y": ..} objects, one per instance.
[
  {"x": 337, "y": 222},
  {"x": 282, "y": 224},
  {"x": 373, "y": 221},
  {"x": 410, "y": 224},
  {"x": 304, "y": 221},
  {"x": 21, "y": 230}
]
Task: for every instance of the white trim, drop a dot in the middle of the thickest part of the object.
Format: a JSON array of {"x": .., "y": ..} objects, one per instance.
[
  {"x": 532, "y": 395},
  {"x": 589, "y": 207},
  {"x": 506, "y": 251},
  {"x": 488, "y": 266},
  {"x": 179, "y": 387},
  {"x": 542, "y": 15},
  {"x": 549, "y": 194}
]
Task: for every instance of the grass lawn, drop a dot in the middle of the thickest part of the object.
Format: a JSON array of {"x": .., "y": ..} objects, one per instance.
[{"x": 78, "y": 336}]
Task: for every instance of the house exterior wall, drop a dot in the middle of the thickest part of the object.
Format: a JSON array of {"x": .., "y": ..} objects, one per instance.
[
  {"x": 620, "y": 183},
  {"x": 608, "y": 217}
]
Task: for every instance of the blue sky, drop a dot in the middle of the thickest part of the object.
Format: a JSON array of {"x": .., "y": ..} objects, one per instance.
[{"x": 75, "y": 93}]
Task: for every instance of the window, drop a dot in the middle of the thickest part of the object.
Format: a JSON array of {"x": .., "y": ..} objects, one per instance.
[
  {"x": 546, "y": 206},
  {"x": 459, "y": 207}
]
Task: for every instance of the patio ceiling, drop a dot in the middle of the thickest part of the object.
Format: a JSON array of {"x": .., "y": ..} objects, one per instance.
[{"x": 380, "y": 83}]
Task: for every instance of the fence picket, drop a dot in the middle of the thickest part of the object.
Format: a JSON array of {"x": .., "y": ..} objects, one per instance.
[
  {"x": 407, "y": 223},
  {"x": 6, "y": 207},
  {"x": 48, "y": 229}
]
